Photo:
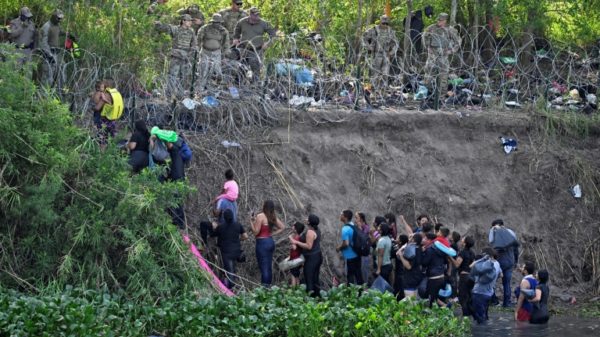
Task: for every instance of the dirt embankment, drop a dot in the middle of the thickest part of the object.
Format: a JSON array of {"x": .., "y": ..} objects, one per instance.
[{"x": 407, "y": 162}]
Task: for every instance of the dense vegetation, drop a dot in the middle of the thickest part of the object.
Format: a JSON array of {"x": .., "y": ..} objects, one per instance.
[
  {"x": 73, "y": 214},
  {"x": 276, "y": 312}
]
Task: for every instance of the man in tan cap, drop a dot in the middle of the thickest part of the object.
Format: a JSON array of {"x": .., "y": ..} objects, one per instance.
[
  {"x": 49, "y": 46},
  {"x": 180, "y": 57},
  {"x": 213, "y": 39},
  {"x": 21, "y": 33},
  {"x": 382, "y": 44},
  {"x": 249, "y": 37},
  {"x": 441, "y": 41}
]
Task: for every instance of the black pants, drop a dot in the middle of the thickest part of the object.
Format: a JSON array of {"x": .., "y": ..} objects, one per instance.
[
  {"x": 386, "y": 273},
  {"x": 398, "y": 281},
  {"x": 177, "y": 216},
  {"x": 312, "y": 267},
  {"x": 229, "y": 266},
  {"x": 353, "y": 271},
  {"x": 465, "y": 285},
  {"x": 433, "y": 289}
]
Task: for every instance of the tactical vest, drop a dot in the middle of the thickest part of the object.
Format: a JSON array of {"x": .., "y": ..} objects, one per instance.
[
  {"x": 439, "y": 38},
  {"x": 231, "y": 18},
  {"x": 25, "y": 39},
  {"x": 183, "y": 38},
  {"x": 213, "y": 35}
]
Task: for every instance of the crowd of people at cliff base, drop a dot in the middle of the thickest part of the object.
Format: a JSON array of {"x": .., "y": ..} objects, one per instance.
[{"x": 426, "y": 261}]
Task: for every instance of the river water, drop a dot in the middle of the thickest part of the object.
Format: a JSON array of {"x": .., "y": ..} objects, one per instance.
[{"x": 503, "y": 324}]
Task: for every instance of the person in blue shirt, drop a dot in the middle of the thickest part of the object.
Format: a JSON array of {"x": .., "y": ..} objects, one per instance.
[{"x": 353, "y": 261}]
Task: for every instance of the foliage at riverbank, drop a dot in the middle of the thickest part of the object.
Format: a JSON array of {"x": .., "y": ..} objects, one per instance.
[
  {"x": 276, "y": 312},
  {"x": 71, "y": 213}
]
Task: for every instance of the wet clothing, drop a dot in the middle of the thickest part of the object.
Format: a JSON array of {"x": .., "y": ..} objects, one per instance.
[
  {"x": 540, "y": 313},
  {"x": 508, "y": 258},
  {"x": 440, "y": 42},
  {"x": 524, "y": 313}
]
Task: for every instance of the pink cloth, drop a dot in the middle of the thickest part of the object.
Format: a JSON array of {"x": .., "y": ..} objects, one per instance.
[
  {"x": 231, "y": 191},
  {"x": 206, "y": 267}
]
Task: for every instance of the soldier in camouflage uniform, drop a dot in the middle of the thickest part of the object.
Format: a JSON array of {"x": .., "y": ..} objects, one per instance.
[
  {"x": 22, "y": 33},
  {"x": 213, "y": 40},
  {"x": 441, "y": 41},
  {"x": 50, "y": 48},
  {"x": 184, "y": 45},
  {"x": 231, "y": 16},
  {"x": 249, "y": 37},
  {"x": 196, "y": 14},
  {"x": 382, "y": 44}
]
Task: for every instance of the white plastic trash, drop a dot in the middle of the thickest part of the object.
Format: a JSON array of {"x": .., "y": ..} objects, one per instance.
[
  {"x": 229, "y": 144},
  {"x": 576, "y": 191},
  {"x": 190, "y": 104}
]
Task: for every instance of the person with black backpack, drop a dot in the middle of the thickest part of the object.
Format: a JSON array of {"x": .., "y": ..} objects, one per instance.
[{"x": 349, "y": 248}]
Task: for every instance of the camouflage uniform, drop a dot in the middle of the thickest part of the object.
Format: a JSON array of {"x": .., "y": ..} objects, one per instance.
[
  {"x": 50, "y": 47},
  {"x": 230, "y": 19},
  {"x": 180, "y": 57},
  {"x": 22, "y": 33},
  {"x": 440, "y": 42},
  {"x": 250, "y": 34},
  {"x": 212, "y": 39},
  {"x": 382, "y": 44},
  {"x": 196, "y": 14}
]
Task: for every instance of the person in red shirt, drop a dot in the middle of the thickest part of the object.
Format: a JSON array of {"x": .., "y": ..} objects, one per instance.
[{"x": 442, "y": 235}]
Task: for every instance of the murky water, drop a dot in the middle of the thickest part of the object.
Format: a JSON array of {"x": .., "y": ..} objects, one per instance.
[{"x": 503, "y": 324}]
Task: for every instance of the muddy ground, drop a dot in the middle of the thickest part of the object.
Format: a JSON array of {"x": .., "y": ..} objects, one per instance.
[{"x": 446, "y": 164}]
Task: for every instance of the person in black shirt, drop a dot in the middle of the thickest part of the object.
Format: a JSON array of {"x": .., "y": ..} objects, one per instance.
[
  {"x": 540, "y": 313},
  {"x": 138, "y": 146},
  {"x": 310, "y": 243},
  {"x": 462, "y": 263},
  {"x": 229, "y": 236},
  {"x": 413, "y": 275}
]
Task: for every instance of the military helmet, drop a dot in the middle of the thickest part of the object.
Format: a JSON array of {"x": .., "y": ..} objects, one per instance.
[
  {"x": 443, "y": 16},
  {"x": 25, "y": 12},
  {"x": 384, "y": 19},
  {"x": 255, "y": 11},
  {"x": 217, "y": 18},
  {"x": 186, "y": 17},
  {"x": 193, "y": 8}
]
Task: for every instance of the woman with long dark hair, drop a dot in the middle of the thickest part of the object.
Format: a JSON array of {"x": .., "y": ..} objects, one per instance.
[
  {"x": 138, "y": 146},
  {"x": 264, "y": 226},
  {"x": 229, "y": 236},
  {"x": 310, "y": 243}
]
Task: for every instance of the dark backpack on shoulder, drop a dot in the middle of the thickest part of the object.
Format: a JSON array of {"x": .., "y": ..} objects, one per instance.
[{"x": 360, "y": 242}]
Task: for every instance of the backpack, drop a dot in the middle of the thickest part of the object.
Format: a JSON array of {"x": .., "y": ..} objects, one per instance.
[
  {"x": 484, "y": 271},
  {"x": 360, "y": 242},
  {"x": 503, "y": 238},
  {"x": 159, "y": 152}
]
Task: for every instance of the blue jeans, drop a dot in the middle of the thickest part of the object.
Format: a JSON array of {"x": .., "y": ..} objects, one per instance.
[
  {"x": 264, "y": 255},
  {"x": 224, "y": 204},
  {"x": 480, "y": 307},
  {"x": 506, "y": 277}
]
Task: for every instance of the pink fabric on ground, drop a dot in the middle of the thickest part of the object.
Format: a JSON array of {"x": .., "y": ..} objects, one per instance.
[
  {"x": 231, "y": 191},
  {"x": 206, "y": 267}
]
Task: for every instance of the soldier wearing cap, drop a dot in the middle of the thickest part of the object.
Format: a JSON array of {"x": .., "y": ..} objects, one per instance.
[
  {"x": 249, "y": 37},
  {"x": 213, "y": 39},
  {"x": 49, "y": 46},
  {"x": 180, "y": 57},
  {"x": 21, "y": 33},
  {"x": 196, "y": 14},
  {"x": 382, "y": 44},
  {"x": 441, "y": 41},
  {"x": 232, "y": 15}
]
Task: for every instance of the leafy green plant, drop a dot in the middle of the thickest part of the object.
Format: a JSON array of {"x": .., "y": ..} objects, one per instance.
[{"x": 344, "y": 311}]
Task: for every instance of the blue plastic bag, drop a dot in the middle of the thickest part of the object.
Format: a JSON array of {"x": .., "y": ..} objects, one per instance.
[{"x": 210, "y": 101}]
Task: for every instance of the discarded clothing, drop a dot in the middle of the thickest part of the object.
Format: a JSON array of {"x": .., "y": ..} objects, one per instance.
[
  {"x": 166, "y": 135},
  {"x": 509, "y": 144}
]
